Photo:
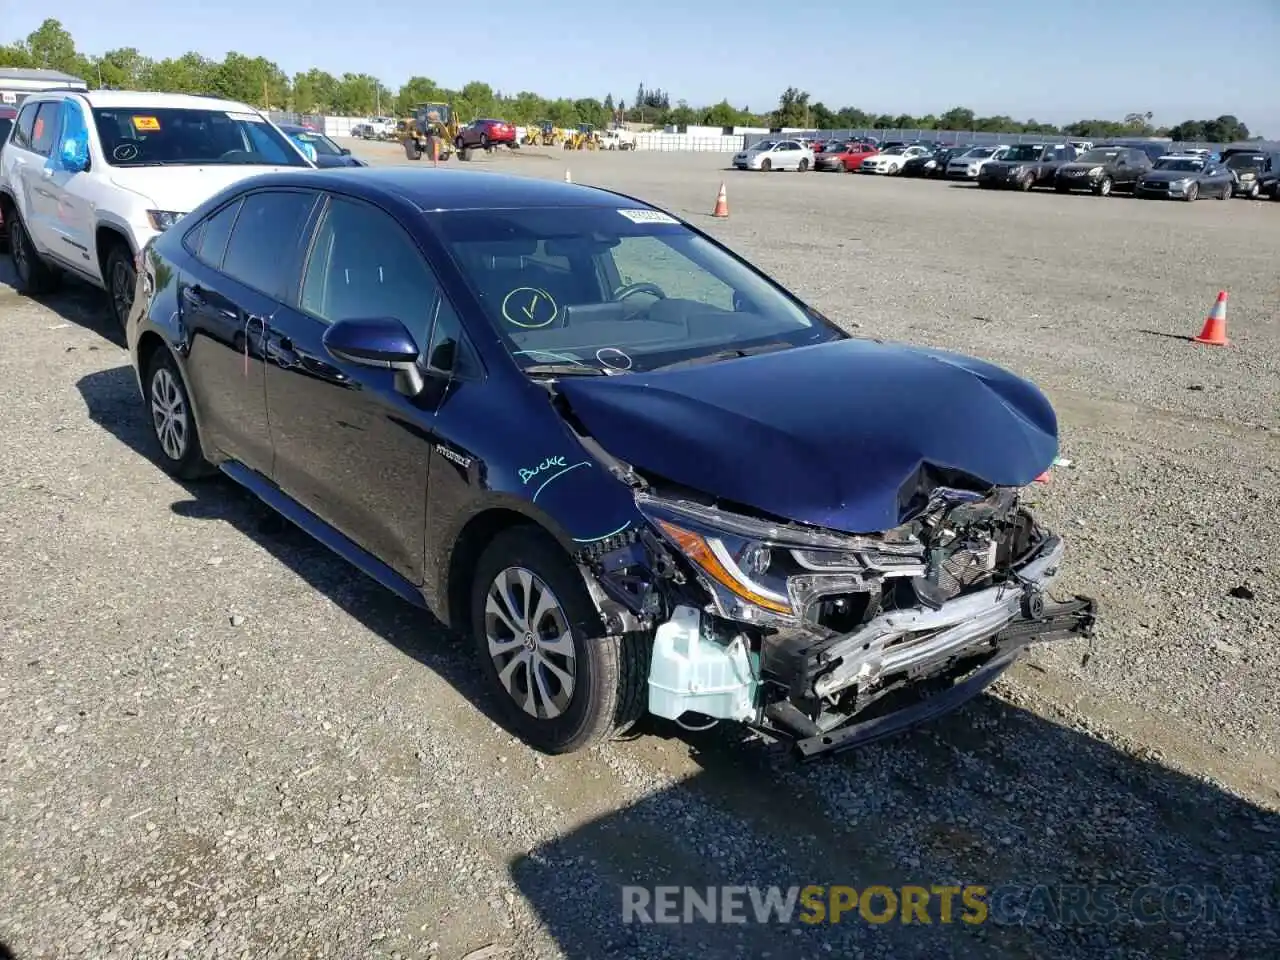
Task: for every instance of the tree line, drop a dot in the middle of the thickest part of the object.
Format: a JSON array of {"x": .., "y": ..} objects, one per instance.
[{"x": 261, "y": 82}]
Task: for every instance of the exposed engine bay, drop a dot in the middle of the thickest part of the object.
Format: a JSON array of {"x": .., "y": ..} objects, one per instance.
[{"x": 823, "y": 638}]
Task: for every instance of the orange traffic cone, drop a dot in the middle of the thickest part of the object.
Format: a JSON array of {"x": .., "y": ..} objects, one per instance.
[
  {"x": 722, "y": 204},
  {"x": 1214, "y": 332}
]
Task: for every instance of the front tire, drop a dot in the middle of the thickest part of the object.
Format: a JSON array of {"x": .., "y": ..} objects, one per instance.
[
  {"x": 121, "y": 278},
  {"x": 1193, "y": 192},
  {"x": 173, "y": 424},
  {"x": 1103, "y": 189},
  {"x": 766, "y": 164},
  {"x": 560, "y": 687},
  {"x": 34, "y": 276}
]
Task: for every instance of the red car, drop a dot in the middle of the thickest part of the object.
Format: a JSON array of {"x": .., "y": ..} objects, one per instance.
[
  {"x": 844, "y": 159},
  {"x": 7, "y": 116},
  {"x": 486, "y": 134}
]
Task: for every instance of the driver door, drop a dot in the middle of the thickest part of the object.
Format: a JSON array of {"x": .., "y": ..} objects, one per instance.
[{"x": 348, "y": 445}]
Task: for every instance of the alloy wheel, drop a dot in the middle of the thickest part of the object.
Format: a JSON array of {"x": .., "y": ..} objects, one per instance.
[
  {"x": 169, "y": 414},
  {"x": 18, "y": 247},
  {"x": 530, "y": 642},
  {"x": 122, "y": 283}
]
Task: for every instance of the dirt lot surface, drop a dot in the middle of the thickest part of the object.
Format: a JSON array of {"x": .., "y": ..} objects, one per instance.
[{"x": 219, "y": 740}]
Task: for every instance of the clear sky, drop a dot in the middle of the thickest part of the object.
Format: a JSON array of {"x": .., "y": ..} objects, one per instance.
[{"x": 1056, "y": 61}]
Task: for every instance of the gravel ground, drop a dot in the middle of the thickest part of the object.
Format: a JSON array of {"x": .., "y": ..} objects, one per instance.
[{"x": 221, "y": 741}]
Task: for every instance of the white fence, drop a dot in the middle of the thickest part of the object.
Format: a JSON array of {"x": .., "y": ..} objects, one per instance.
[{"x": 664, "y": 142}]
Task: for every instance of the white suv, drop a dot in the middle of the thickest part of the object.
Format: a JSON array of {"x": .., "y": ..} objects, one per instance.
[{"x": 86, "y": 179}]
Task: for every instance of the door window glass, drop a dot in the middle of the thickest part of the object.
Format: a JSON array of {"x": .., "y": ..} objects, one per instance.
[
  {"x": 209, "y": 242},
  {"x": 26, "y": 121},
  {"x": 364, "y": 266},
  {"x": 260, "y": 253},
  {"x": 45, "y": 128}
]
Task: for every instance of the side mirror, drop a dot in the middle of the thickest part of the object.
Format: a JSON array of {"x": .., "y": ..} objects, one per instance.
[
  {"x": 346, "y": 151},
  {"x": 381, "y": 342},
  {"x": 73, "y": 155}
]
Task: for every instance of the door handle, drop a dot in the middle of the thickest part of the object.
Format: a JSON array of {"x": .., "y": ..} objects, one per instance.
[{"x": 193, "y": 296}]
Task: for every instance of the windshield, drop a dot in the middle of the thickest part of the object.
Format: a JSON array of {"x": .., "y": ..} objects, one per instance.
[
  {"x": 1024, "y": 152},
  {"x": 980, "y": 152},
  {"x": 893, "y": 151},
  {"x": 1244, "y": 161},
  {"x": 626, "y": 289},
  {"x": 765, "y": 145},
  {"x": 1189, "y": 164},
  {"x": 1098, "y": 156},
  {"x": 323, "y": 145},
  {"x": 167, "y": 136}
]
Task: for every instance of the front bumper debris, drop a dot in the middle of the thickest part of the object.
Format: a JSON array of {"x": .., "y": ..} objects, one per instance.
[{"x": 902, "y": 651}]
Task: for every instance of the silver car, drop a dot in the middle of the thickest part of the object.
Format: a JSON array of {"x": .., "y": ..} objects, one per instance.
[
  {"x": 775, "y": 155},
  {"x": 969, "y": 164}
]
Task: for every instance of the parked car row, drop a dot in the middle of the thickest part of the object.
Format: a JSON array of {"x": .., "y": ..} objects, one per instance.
[{"x": 1141, "y": 168}]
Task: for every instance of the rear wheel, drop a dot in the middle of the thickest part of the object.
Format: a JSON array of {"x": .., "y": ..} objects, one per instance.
[
  {"x": 172, "y": 422},
  {"x": 804, "y": 164},
  {"x": 559, "y": 687},
  {"x": 34, "y": 276}
]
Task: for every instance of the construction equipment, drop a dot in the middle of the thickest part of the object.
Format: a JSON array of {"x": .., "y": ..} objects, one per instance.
[
  {"x": 432, "y": 132},
  {"x": 544, "y": 133},
  {"x": 584, "y": 138}
]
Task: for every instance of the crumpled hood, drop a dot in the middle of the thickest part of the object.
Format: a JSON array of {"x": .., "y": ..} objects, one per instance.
[
  {"x": 181, "y": 189},
  {"x": 845, "y": 435}
]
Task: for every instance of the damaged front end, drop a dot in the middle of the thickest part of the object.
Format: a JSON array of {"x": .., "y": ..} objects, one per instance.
[{"x": 829, "y": 639}]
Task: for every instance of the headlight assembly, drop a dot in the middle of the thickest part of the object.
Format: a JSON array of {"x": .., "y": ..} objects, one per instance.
[{"x": 758, "y": 571}]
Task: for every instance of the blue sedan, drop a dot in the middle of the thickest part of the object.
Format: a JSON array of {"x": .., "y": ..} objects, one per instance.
[{"x": 640, "y": 474}]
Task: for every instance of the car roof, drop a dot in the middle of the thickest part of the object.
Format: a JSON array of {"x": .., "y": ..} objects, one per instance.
[
  {"x": 430, "y": 189},
  {"x": 136, "y": 100}
]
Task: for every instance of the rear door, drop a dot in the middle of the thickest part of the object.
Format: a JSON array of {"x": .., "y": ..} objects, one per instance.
[
  {"x": 17, "y": 157},
  {"x": 41, "y": 191},
  {"x": 245, "y": 257}
]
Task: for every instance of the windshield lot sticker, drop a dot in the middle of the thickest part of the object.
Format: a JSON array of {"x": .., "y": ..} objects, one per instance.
[
  {"x": 530, "y": 308},
  {"x": 150, "y": 124},
  {"x": 648, "y": 216},
  {"x": 246, "y": 117},
  {"x": 125, "y": 152}
]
